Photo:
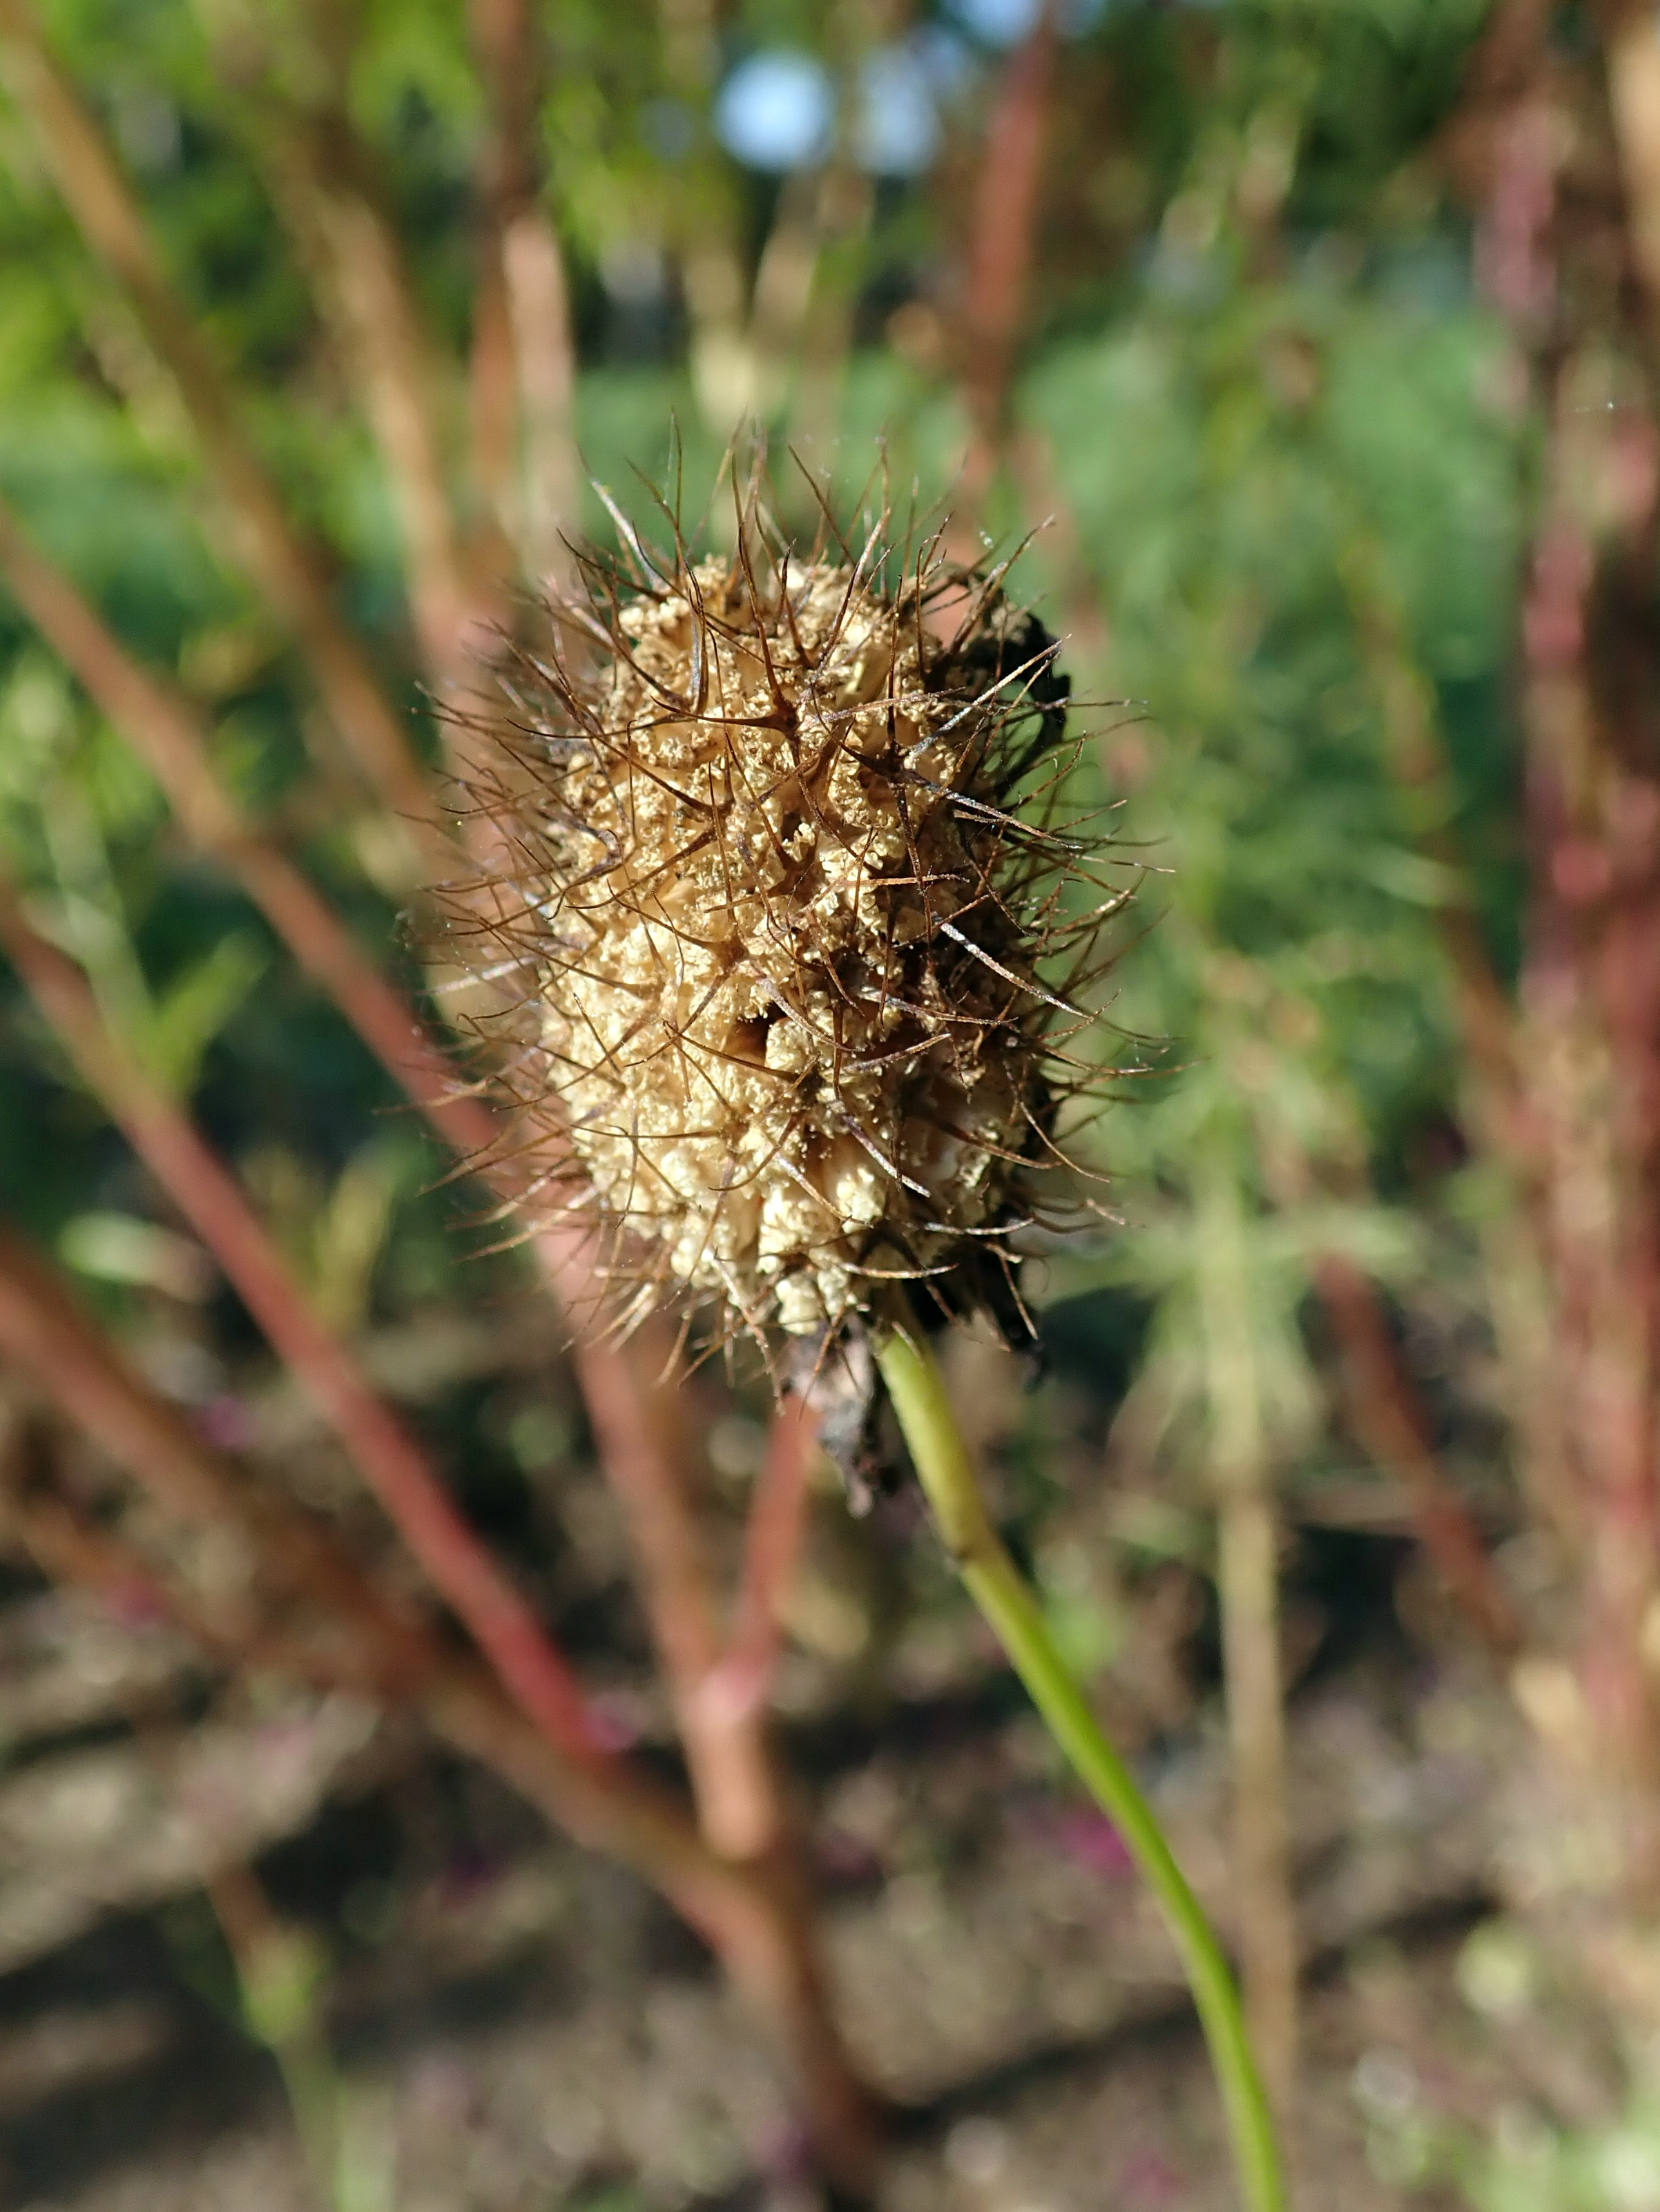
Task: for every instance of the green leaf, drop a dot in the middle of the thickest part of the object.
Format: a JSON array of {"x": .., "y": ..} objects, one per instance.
[{"x": 190, "y": 1012}]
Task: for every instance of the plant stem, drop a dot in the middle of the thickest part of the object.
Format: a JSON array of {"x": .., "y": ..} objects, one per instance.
[
  {"x": 918, "y": 1394},
  {"x": 1248, "y": 1580},
  {"x": 499, "y": 1617},
  {"x": 355, "y": 1641},
  {"x": 286, "y": 569}
]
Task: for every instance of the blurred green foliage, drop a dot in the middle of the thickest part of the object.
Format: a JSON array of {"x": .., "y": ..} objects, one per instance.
[
  {"x": 1288, "y": 460},
  {"x": 1275, "y": 457},
  {"x": 1528, "y": 2159}
]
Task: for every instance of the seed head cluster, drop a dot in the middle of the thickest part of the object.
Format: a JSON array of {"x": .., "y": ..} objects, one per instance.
[{"x": 771, "y": 904}]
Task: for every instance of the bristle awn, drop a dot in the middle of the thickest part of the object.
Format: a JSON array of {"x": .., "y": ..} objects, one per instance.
[{"x": 741, "y": 964}]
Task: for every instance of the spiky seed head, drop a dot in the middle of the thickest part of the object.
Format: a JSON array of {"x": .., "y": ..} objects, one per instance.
[{"x": 769, "y": 915}]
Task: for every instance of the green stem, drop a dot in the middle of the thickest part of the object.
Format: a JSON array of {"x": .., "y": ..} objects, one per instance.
[{"x": 918, "y": 1392}]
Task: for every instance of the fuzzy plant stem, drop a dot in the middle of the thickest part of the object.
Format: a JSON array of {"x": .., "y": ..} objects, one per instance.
[{"x": 918, "y": 1394}]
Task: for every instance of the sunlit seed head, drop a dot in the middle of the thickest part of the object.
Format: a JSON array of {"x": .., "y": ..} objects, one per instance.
[{"x": 772, "y": 921}]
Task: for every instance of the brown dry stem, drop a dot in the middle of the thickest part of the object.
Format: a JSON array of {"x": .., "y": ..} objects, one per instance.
[
  {"x": 289, "y": 573},
  {"x": 500, "y": 1620},
  {"x": 524, "y": 352},
  {"x": 747, "y": 1916},
  {"x": 324, "y": 182}
]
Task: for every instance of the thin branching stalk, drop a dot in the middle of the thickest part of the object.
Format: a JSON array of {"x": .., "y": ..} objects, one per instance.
[
  {"x": 501, "y": 1620},
  {"x": 43, "y": 1329},
  {"x": 1590, "y": 1001},
  {"x": 1535, "y": 141},
  {"x": 169, "y": 737},
  {"x": 359, "y": 1639},
  {"x": 1390, "y": 1421},
  {"x": 323, "y": 180},
  {"x": 921, "y": 1401},
  {"x": 736, "y": 1799},
  {"x": 750, "y": 1916},
  {"x": 1248, "y": 1592},
  {"x": 725, "y": 1744},
  {"x": 772, "y": 1547},
  {"x": 107, "y": 211},
  {"x": 1493, "y": 1099},
  {"x": 776, "y": 1958},
  {"x": 359, "y": 1642},
  {"x": 367, "y": 1643},
  {"x": 522, "y": 307},
  {"x": 1003, "y": 238},
  {"x": 719, "y": 1693}
]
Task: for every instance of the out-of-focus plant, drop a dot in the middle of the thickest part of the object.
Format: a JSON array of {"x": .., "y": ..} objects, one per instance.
[
  {"x": 1260, "y": 414},
  {"x": 272, "y": 1977},
  {"x": 1195, "y": 283},
  {"x": 1535, "y": 2154},
  {"x": 242, "y": 318}
]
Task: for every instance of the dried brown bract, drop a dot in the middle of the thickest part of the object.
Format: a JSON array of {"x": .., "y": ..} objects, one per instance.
[{"x": 786, "y": 936}]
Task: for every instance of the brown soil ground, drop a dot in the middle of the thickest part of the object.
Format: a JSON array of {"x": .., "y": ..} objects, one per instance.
[{"x": 518, "y": 2026}]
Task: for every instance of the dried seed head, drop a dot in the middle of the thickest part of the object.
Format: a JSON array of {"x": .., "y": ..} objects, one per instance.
[{"x": 768, "y": 899}]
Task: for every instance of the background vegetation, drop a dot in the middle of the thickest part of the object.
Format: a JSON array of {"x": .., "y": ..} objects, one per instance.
[{"x": 1308, "y": 347}]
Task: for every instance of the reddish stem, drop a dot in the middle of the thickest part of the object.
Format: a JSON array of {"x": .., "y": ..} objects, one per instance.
[
  {"x": 1536, "y": 148},
  {"x": 1391, "y": 1423},
  {"x": 168, "y": 736},
  {"x": 503, "y": 1625},
  {"x": 288, "y": 572},
  {"x": 751, "y": 1916},
  {"x": 737, "y": 1800},
  {"x": 724, "y": 1745},
  {"x": 45, "y": 1332},
  {"x": 772, "y": 1545},
  {"x": 323, "y": 182},
  {"x": 1001, "y": 245},
  {"x": 524, "y": 358}
]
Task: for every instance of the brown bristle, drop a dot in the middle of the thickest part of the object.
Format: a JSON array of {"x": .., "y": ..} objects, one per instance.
[{"x": 764, "y": 904}]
